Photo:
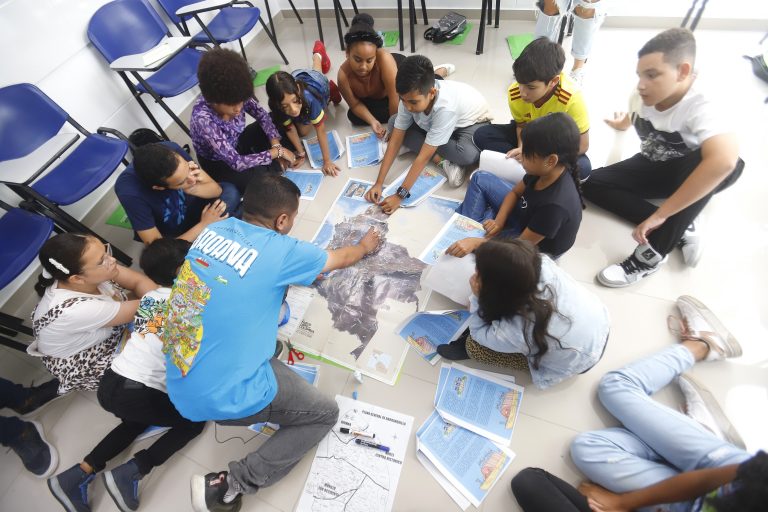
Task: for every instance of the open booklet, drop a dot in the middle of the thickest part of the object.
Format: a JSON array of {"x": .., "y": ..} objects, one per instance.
[
  {"x": 307, "y": 181},
  {"x": 464, "y": 463},
  {"x": 425, "y": 330},
  {"x": 457, "y": 228},
  {"x": 428, "y": 181},
  {"x": 483, "y": 402},
  {"x": 364, "y": 149},
  {"x": 308, "y": 372},
  {"x": 315, "y": 155}
]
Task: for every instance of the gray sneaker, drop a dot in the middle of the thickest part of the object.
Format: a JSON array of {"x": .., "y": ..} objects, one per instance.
[
  {"x": 691, "y": 244},
  {"x": 700, "y": 323},
  {"x": 454, "y": 173},
  {"x": 36, "y": 453},
  {"x": 123, "y": 485},
  {"x": 643, "y": 262},
  {"x": 700, "y": 404}
]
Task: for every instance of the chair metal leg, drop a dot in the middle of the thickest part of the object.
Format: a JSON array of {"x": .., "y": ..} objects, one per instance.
[
  {"x": 354, "y": 7},
  {"x": 400, "y": 23},
  {"x": 295, "y": 12},
  {"x": 481, "y": 28},
  {"x": 137, "y": 95},
  {"x": 8, "y": 342},
  {"x": 412, "y": 22},
  {"x": 343, "y": 15},
  {"x": 272, "y": 38},
  {"x": 160, "y": 101},
  {"x": 269, "y": 17},
  {"x": 319, "y": 25},
  {"x": 490, "y": 12},
  {"x": 39, "y": 204},
  {"x": 242, "y": 49},
  {"x": 498, "y": 10},
  {"x": 424, "y": 12},
  {"x": 14, "y": 324},
  {"x": 336, "y": 9}
]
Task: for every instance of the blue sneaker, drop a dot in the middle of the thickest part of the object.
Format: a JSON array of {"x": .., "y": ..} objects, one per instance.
[
  {"x": 36, "y": 453},
  {"x": 123, "y": 485},
  {"x": 70, "y": 488}
]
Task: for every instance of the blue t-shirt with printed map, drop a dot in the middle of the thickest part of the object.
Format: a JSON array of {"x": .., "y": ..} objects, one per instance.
[{"x": 221, "y": 326}]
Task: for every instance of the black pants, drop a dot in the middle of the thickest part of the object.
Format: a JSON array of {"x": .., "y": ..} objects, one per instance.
[
  {"x": 252, "y": 140},
  {"x": 624, "y": 187},
  {"x": 539, "y": 491},
  {"x": 139, "y": 407}
]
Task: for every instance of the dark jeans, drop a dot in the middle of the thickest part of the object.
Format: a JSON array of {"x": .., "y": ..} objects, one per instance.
[
  {"x": 11, "y": 395},
  {"x": 539, "y": 491},
  {"x": 624, "y": 188},
  {"x": 503, "y": 138},
  {"x": 252, "y": 140},
  {"x": 139, "y": 406}
]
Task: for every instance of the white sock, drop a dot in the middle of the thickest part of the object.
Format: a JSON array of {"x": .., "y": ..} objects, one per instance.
[{"x": 233, "y": 490}]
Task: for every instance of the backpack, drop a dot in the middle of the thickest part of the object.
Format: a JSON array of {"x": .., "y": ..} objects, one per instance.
[
  {"x": 446, "y": 28},
  {"x": 143, "y": 136}
]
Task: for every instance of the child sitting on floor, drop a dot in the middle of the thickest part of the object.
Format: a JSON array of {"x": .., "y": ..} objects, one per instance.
[
  {"x": 545, "y": 207},
  {"x": 227, "y": 149},
  {"x": 435, "y": 119},
  {"x": 529, "y": 314},
  {"x": 133, "y": 389},
  {"x": 298, "y": 100},
  {"x": 541, "y": 89}
]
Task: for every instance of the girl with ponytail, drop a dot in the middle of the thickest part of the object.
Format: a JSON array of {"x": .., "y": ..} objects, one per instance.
[
  {"x": 528, "y": 314},
  {"x": 545, "y": 207},
  {"x": 83, "y": 311}
]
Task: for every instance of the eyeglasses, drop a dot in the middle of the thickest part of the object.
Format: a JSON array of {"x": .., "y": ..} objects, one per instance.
[{"x": 106, "y": 260}]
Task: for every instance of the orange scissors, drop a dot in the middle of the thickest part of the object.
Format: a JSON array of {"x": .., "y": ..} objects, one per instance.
[{"x": 291, "y": 352}]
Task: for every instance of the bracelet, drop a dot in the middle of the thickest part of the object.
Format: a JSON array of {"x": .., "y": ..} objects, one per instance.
[
  {"x": 278, "y": 145},
  {"x": 280, "y": 152}
]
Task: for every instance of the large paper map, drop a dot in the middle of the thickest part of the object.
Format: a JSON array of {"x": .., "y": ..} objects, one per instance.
[
  {"x": 351, "y": 322},
  {"x": 352, "y": 478}
]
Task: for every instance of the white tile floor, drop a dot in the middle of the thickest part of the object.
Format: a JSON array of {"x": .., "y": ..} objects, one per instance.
[{"x": 731, "y": 278}]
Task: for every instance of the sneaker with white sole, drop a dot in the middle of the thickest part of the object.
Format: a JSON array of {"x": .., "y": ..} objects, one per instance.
[
  {"x": 455, "y": 173},
  {"x": 70, "y": 488},
  {"x": 643, "y": 262},
  {"x": 448, "y": 67},
  {"x": 36, "y": 453},
  {"x": 209, "y": 492},
  {"x": 123, "y": 485},
  {"x": 700, "y": 404},
  {"x": 691, "y": 244},
  {"x": 700, "y": 323}
]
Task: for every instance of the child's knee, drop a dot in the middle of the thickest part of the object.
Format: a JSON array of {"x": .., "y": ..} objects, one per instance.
[
  {"x": 583, "y": 448},
  {"x": 549, "y": 7}
]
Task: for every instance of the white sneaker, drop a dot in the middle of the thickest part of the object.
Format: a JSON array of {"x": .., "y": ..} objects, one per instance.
[
  {"x": 577, "y": 75},
  {"x": 454, "y": 173},
  {"x": 691, "y": 243},
  {"x": 699, "y": 323},
  {"x": 641, "y": 263},
  {"x": 449, "y": 68},
  {"x": 701, "y": 406}
]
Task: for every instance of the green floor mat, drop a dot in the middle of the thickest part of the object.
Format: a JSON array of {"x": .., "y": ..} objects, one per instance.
[
  {"x": 119, "y": 219},
  {"x": 518, "y": 43},
  {"x": 263, "y": 74},
  {"x": 459, "y": 39},
  {"x": 391, "y": 37}
]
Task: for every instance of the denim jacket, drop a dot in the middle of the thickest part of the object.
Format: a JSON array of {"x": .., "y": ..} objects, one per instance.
[{"x": 581, "y": 327}]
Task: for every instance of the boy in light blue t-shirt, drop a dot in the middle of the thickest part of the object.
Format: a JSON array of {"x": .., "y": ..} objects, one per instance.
[{"x": 220, "y": 337}]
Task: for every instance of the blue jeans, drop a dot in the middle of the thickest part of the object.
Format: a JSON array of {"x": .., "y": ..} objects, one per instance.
[
  {"x": 485, "y": 194},
  {"x": 305, "y": 416},
  {"x": 11, "y": 395},
  {"x": 655, "y": 442},
  {"x": 232, "y": 197}
]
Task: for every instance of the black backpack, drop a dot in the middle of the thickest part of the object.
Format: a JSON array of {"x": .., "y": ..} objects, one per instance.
[{"x": 446, "y": 28}]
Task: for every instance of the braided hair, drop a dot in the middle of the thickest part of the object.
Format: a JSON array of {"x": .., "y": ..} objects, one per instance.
[
  {"x": 555, "y": 134},
  {"x": 361, "y": 31}
]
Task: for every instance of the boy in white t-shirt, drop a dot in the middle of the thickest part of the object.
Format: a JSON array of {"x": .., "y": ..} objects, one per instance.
[
  {"x": 437, "y": 120},
  {"x": 134, "y": 390},
  {"x": 687, "y": 155}
]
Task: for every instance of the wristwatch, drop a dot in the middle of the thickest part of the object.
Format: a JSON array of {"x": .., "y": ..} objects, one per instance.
[{"x": 403, "y": 193}]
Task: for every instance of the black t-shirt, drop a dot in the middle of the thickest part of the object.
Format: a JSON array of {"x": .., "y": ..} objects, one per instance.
[{"x": 554, "y": 212}]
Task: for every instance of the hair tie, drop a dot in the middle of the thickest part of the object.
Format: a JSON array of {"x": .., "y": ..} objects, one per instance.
[
  {"x": 58, "y": 265},
  {"x": 46, "y": 274}
]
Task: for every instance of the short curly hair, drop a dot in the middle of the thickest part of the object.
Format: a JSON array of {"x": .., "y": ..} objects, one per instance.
[{"x": 224, "y": 77}]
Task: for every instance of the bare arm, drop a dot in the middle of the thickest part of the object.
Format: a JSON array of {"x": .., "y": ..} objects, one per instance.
[
  {"x": 134, "y": 281},
  {"x": 388, "y": 75},
  {"x": 584, "y": 142},
  {"x": 346, "y": 256},
  {"x": 125, "y": 314},
  {"x": 212, "y": 212},
  {"x": 205, "y": 186},
  {"x": 621, "y": 121},
  {"x": 531, "y": 236},
  {"x": 719, "y": 155},
  {"x": 356, "y": 106},
  {"x": 392, "y": 203},
  {"x": 395, "y": 143},
  {"x": 683, "y": 487},
  {"x": 329, "y": 168}
]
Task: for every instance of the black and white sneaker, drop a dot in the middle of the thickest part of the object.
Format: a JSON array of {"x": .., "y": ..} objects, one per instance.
[
  {"x": 641, "y": 263},
  {"x": 210, "y": 491},
  {"x": 691, "y": 244}
]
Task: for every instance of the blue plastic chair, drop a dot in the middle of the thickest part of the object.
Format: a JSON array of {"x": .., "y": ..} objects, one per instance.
[
  {"x": 129, "y": 27},
  {"x": 23, "y": 234},
  {"x": 229, "y": 24},
  {"x": 28, "y": 120}
]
